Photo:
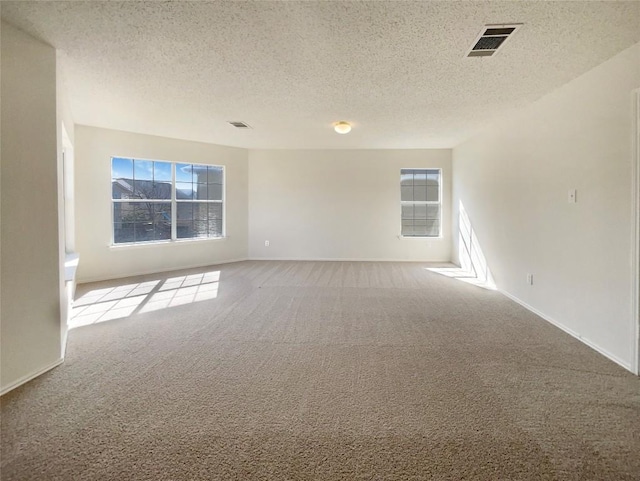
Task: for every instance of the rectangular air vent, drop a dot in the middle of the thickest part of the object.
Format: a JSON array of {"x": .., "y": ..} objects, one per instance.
[
  {"x": 240, "y": 125},
  {"x": 491, "y": 38}
]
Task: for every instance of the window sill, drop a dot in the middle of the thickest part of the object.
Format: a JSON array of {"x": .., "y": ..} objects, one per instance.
[
  {"x": 136, "y": 245},
  {"x": 402, "y": 237}
]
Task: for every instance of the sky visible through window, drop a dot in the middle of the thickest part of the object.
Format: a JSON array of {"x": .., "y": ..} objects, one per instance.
[{"x": 159, "y": 171}]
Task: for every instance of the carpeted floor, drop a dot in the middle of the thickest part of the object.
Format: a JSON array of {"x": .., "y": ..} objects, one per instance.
[{"x": 319, "y": 371}]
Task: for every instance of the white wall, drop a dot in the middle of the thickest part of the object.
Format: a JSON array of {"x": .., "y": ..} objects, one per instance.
[
  {"x": 513, "y": 181},
  {"x": 338, "y": 204},
  {"x": 94, "y": 148},
  {"x": 30, "y": 270}
]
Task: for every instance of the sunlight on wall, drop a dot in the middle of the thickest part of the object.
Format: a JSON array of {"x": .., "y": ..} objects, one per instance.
[
  {"x": 473, "y": 265},
  {"x": 118, "y": 302}
]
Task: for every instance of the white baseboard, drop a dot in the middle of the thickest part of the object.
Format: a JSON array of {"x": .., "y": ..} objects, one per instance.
[
  {"x": 29, "y": 377},
  {"x": 109, "y": 277},
  {"x": 570, "y": 331},
  {"x": 344, "y": 259}
]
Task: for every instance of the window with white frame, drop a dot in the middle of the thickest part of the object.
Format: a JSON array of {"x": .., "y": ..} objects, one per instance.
[
  {"x": 162, "y": 201},
  {"x": 420, "y": 199}
]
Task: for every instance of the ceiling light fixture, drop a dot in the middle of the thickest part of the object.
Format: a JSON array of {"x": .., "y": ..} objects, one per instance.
[{"x": 342, "y": 127}]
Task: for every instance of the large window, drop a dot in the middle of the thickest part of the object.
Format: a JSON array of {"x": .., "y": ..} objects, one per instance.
[
  {"x": 420, "y": 199},
  {"x": 162, "y": 201}
]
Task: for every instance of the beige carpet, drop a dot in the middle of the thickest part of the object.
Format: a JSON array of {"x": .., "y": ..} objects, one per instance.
[{"x": 319, "y": 371}]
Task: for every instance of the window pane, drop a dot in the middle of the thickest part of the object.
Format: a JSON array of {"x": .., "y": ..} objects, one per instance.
[
  {"x": 200, "y": 219},
  {"x": 141, "y": 221},
  {"x": 162, "y": 190},
  {"x": 193, "y": 220},
  {"x": 420, "y": 211},
  {"x": 199, "y": 174},
  {"x": 121, "y": 189},
  {"x": 143, "y": 170},
  {"x": 184, "y": 225},
  {"x": 406, "y": 193},
  {"x": 419, "y": 193},
  {"x": 162, "y": 221},
  {"x": 406, "y": 177},
  {"x": 141, "y": 231},
  {"x": 183, "y": 173},
  {"x": 433, "y": 211},
  {"x": 121, "y": 168},
  {"x": 200, "y": 191},
  {"x": 185, "y": 211},
  {"x": 420, "y": 177},
  {"x": 142, "y": 189},
  {"x": 215, "y": 220},
  {"x": 432, "y": 193},
  {"x": 407, "y": 212},
  {"x": 184, "y": 230},
  {"x": 215, "y": 175},
  {"x": 124, "y": 212},
  {"x": 433, "y": 182},
  {"x": 433, "y": 228},
  {"x": 123, "y": 232},
  {"x": 215, "y": 192},
  {"x": 162, "y": 171},
  {"x": 407, "y": 228},
  {"x": 148, "y": 189},
  {"x": 200, "y": 228},
  {"x": 433, "y": 177},
  {"x": 200, "y": 211},
  {"x": 184, "y": 191},
  {"x": 420, "y": 227}
]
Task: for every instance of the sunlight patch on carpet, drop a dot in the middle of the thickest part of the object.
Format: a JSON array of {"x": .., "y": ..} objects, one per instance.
[{"x": 110, "y": 303}]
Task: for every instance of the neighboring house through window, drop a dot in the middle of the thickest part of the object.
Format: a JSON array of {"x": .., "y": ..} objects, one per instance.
[
  {"x": 420, "y": 199},
  {"x": 162, "y": 201}
]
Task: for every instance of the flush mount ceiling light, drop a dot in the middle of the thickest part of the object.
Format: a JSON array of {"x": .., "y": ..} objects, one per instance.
[{"x": 342, "y": 127}]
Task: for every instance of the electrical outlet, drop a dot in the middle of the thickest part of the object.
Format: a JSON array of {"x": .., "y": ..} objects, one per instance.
[
  {"x": 530, "y": 279},
  {"x": 266, "y": 243}
]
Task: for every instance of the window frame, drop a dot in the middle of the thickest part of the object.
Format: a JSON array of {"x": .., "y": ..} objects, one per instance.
[
  {"x": 425, "y": 202},
  {"x": 173, "y": 201}
]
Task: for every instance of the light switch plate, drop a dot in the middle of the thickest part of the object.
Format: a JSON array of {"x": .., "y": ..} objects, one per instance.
[{"x": 572, "y": 196}]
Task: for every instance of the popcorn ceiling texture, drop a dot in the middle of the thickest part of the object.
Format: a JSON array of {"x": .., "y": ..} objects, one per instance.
[
  {"x": 324, "y": 371},
  {"x": 396, "y": 70}
]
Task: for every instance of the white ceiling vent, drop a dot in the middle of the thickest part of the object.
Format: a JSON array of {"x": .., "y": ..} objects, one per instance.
[
  {"x": 239, "y": 125},
  {"x": 491, "y": 38}
]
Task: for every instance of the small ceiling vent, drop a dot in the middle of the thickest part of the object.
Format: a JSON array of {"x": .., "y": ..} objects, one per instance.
[
  {"x": 240, "y": 125},
  {"x": 491, "y": 38}
]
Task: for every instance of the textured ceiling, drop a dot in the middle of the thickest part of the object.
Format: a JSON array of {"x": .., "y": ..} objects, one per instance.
[{"x": 396, "y": 70}]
